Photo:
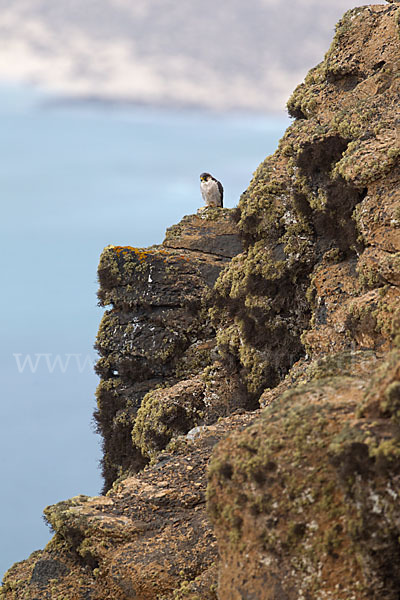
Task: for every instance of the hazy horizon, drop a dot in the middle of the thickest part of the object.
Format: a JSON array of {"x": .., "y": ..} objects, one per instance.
[{"x": 200, "y": 54}]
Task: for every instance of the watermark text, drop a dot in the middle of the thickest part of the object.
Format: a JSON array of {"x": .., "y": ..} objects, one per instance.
[{"x": 54, "y": 363}]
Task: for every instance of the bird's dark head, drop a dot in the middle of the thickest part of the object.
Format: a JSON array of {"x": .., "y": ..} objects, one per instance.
[{"x": 205, "y": 177}]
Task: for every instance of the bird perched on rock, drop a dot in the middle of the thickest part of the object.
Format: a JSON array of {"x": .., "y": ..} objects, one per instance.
[{"x": 211, "y": 190}]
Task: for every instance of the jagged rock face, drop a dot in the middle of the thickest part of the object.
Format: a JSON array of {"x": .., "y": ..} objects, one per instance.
[
  {"x": 157, "y": 332},
  {"x": 321, "y": 219},
  {"x": 166, "y": 413},
  {"x": 305, "y": 502}
]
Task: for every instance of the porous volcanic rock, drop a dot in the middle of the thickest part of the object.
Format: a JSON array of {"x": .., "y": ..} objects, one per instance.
[
  {"x": 157, "y": 331},
  {"x": 321, "y": 219},
  {"x": 166, "y": 413},
  {"x": 305, "y": 502}
]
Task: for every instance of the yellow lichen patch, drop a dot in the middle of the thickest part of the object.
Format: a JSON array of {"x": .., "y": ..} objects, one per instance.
[
  {"x": 143, "y": 255},
  {"x": 125, "y": 250}
]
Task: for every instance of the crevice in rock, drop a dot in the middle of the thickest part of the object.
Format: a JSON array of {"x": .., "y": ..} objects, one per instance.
[
  {"x": 331, "y": 200},
  {"x": 346, "y": 82},
  {"x": 196, "y": 252},
  {"x": 296, "y": 113},
  {"x": 379, "y": 65}
]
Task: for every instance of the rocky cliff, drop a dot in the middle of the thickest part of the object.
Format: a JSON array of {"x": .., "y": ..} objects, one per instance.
[
  {"x": 157, "y": 339},
  {"x": 249, "y": 401}
]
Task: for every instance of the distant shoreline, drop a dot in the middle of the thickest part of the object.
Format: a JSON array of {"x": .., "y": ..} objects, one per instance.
[
  {"x": 64, "y": 100},
  {"x": 46, "y": 98}
]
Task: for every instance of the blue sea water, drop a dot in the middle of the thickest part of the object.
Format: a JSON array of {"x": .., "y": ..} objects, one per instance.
[{"x": 74, "y": 179}]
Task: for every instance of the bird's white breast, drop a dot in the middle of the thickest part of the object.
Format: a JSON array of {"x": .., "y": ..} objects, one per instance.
[{"x": 210, "y": 192}]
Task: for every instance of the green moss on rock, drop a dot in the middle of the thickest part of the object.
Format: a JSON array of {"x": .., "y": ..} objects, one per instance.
[
  {"x": 310, "y": 486},
  {"x": 164, "y": 414},
  {"x": 305, "y": 207}
]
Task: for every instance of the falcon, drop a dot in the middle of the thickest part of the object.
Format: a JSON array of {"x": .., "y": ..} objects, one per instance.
[{"x": 211, "y": 190}]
